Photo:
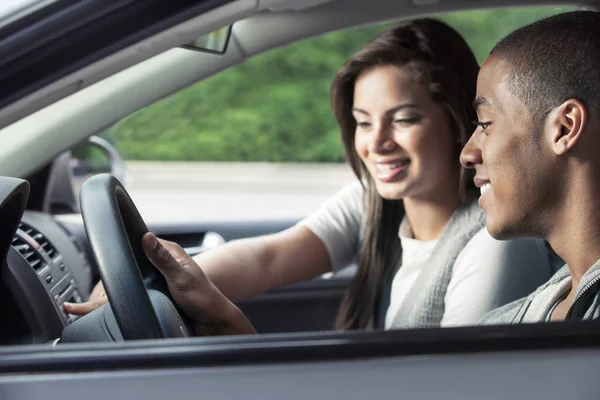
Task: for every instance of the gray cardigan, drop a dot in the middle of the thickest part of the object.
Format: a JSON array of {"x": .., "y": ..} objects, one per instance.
[
  {"x": 424, "y": 305},
  {"x": 537, "y": 306}
]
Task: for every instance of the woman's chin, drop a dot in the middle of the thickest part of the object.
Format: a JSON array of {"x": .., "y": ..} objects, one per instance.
[{"x": 391, "y": 191}]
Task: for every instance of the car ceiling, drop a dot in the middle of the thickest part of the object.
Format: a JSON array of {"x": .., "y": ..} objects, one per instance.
[{"x": 89, "y": 100}]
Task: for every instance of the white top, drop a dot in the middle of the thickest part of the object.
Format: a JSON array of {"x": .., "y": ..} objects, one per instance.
[
  {"x": 487, "y": 273},
  {"x": 414, "y": 255}
]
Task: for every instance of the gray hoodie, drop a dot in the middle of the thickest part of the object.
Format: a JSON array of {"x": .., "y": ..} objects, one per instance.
[{"x": 537, "y": 306}]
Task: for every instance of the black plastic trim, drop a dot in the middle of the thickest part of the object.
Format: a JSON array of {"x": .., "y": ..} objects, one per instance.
[
  {"x": 80, "y": 34},
  {"x": 13, "y": 197},
  {"x": 34, "y": 17},
  {"x": 295, "y": 348},
  {"x": 33, "y": 299},
  {"x": 314, "y": 285}
]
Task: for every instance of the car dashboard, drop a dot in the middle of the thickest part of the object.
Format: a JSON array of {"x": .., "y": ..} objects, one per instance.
[{"x": 45, "y": 267}]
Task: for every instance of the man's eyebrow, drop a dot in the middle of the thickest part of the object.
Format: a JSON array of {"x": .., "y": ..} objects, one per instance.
[
  {"x": 391, "y": 110},
  {"x": 480, "y": 101}
]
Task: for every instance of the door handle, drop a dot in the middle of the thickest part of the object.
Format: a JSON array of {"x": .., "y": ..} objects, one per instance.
[{"x": 210, "y": 241}]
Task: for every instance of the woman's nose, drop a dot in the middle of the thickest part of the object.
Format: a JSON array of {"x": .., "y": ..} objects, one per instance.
[{"x": 381, "y": 141}]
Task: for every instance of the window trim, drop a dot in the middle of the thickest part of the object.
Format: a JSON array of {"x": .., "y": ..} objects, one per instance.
[{"x": 295, "y": 348}]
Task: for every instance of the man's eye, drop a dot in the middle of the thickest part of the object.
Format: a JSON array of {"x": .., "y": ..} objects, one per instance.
[{"x": 482, "y": 124}]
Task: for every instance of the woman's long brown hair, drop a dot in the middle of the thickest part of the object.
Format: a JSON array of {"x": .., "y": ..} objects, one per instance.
[{"x": 439, "y": 58}]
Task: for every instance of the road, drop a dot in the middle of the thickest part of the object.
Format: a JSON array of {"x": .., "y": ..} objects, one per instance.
[{"x": 186, "y": 192}]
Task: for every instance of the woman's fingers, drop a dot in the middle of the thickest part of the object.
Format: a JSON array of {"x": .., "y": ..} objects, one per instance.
[
  {"x": 87, "y": 307},
  {"x": 98, "y": 291},
  {"x": 97, "y": 299}
]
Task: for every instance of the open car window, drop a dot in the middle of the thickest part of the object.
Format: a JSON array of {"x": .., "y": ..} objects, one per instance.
[{"x": 254, "y": 126}]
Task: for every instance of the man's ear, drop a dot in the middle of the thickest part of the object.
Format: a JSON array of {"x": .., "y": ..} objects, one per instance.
[{"x": 567, "y": 122}]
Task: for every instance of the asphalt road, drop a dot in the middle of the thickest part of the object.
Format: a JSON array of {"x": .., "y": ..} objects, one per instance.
[{"x": 231, "y": 191}]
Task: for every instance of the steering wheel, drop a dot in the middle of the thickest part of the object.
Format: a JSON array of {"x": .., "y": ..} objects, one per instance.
[{"x": 140, "y": 302}]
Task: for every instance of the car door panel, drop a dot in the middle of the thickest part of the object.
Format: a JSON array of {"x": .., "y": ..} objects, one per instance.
[
  {"x": 492, "y": 376},
  {"x": 306, "y": 306},
  {"x": 189, "y": 233},
  {"x": 483, "y": 362}
]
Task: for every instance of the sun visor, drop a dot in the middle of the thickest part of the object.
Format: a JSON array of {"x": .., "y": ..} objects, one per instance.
[{"x": 290, "y": 5}]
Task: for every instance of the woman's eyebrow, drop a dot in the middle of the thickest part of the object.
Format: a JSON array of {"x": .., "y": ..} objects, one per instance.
[
  {"x": 392, "y": 110},
  {"x": 401, "y": 107},
  {"x": 359, "y": 110}
]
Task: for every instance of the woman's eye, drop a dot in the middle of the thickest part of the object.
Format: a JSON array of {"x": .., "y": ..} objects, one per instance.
[
  {"x": 406, "y": 121},
  {"x": 363, "y": 124}
]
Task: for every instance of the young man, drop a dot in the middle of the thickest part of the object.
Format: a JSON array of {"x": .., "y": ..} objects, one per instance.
[{"x": 537, "y": 159}]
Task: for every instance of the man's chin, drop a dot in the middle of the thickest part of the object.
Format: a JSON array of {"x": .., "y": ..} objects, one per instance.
[
  {"x": 503, "y": 230},
  {"x": 494, "y": 227}
]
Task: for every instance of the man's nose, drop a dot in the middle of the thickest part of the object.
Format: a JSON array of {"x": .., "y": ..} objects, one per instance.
[{"x": 471, "y": 153}]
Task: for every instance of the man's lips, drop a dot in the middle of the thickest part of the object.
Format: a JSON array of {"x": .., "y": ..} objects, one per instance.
[
  {"x": 479, "y": 182},
  {"x": 484, "y": 185}
]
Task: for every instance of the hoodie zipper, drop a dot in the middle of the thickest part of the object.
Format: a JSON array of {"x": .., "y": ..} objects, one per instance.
[
  {"x": 520, "y": 314},
  {"x": 581, "y": 294}
]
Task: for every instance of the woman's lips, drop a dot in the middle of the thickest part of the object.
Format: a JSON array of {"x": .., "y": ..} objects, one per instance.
[{"x": 388, "y": 172}]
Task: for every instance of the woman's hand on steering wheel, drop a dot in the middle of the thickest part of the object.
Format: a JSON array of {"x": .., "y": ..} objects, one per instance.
[
  {"x": 207, "y": 308},
  {"x": 97, "y": 298}
]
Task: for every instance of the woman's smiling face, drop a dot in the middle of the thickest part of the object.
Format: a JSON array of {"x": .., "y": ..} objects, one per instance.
[{"x": 402, "y": 136}]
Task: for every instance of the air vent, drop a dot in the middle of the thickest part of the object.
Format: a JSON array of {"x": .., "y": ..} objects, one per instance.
[
  {"x": 33, "y": 257},
  {"x": 45, "y": 244}
]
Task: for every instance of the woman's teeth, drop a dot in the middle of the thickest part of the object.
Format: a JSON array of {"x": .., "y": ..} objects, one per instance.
[
  {"x": 387, "y": 167},
  {"x": 484, "y": 188},
  {"x": 391, "y": 167}
]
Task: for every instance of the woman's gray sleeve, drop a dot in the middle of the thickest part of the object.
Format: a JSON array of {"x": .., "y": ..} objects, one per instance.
[{"x": 338, "y": 223}]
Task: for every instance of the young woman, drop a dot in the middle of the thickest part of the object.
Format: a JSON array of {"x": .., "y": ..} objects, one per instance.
[{"x": 404, "y": 107}]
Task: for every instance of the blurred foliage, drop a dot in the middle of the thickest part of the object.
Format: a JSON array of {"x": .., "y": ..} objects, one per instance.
[
  {"x": 275, "y": 106},
  {"x": 91, "y": 156}
]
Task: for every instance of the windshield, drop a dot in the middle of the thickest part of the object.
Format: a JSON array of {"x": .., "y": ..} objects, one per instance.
[{"x": 11, "y": 10}]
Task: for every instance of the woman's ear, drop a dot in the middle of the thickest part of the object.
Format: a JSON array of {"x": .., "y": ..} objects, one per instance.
[{"x": 567, "y": 122}]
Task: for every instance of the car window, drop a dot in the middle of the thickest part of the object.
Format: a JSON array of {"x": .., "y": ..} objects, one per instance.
[{"x": 262, "y": 131}]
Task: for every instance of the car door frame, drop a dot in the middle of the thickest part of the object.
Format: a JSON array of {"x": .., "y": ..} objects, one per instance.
[{"x": 545, "y": 361}]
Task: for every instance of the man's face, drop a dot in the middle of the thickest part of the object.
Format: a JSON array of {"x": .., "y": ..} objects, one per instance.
[{"x": 512, "y": 163}]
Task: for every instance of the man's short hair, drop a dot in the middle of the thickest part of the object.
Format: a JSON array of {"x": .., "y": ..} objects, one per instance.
[{"x": 555, "y": 59}]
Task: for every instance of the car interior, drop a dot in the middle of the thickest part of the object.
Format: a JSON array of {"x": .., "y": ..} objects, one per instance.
[{"x": 63, "y": 89}]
